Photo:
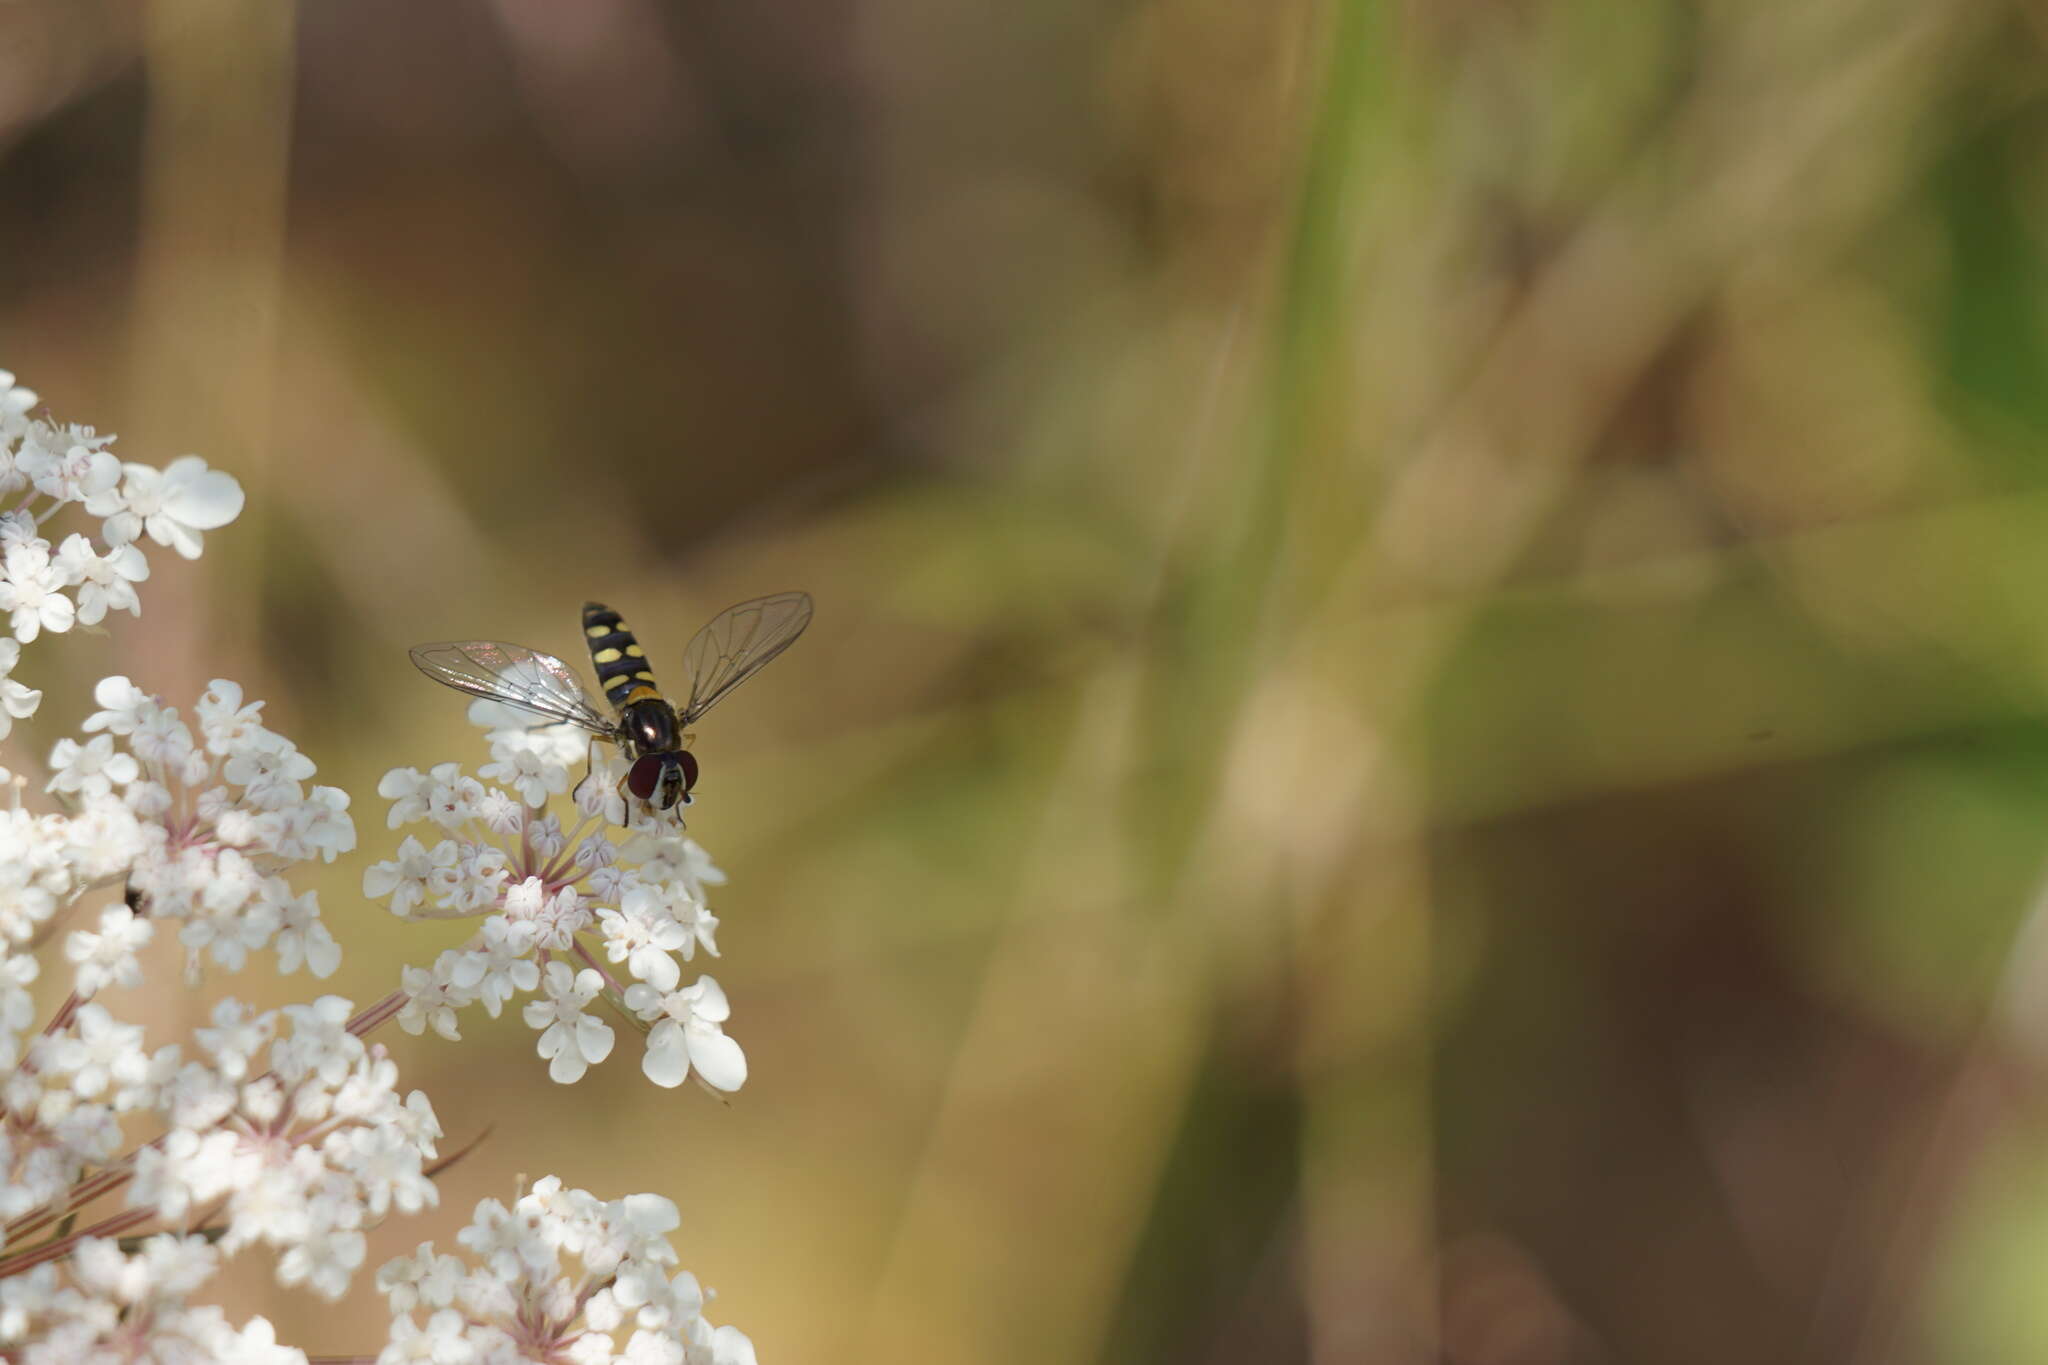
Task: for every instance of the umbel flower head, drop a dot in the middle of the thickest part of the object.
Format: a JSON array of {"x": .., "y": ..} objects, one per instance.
[
  {"x": 130, "y": 1167},
  {"x": 201, "y": 826},
  {"x": 568, "y": 916},
  {"x": 279, "y": 1127},
  {"x": 560, "y": 1275},
  {"x": 50, "y": 587}
]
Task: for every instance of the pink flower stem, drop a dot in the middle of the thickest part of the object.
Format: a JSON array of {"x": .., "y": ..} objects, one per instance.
[
  {"x": 381, "y": 1012},
  {"x": 66, "y": 1012},
  {"x": 610, "y": 981},
  {"x": 63, "y": 1246}
]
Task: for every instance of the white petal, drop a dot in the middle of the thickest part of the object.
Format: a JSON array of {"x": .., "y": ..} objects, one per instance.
[
  {"x": 116, "y": 693},
  {"x": 129, "y": 562},
  {"x": 568, "y": 1067},
  {"x": 18, "y": 701},
  {"x": 718, "y": 1060},
  {"x": 166, "y": 530},
  {"x": 204, "y": 499},
  {"x": 652, "y": 1214},
  {"x": 656, "y": 968},
  {"x": 593, "y": 1039},
  {"x": 731, "y": 1346},
  {"x": 667, "y": 1062},
  {"x": 711, "y": 1002}
]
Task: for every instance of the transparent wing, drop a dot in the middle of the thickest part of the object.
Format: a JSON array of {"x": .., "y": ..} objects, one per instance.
[
  {"x": 737, "y": 643},
  {"x": 514, "y": 675}
]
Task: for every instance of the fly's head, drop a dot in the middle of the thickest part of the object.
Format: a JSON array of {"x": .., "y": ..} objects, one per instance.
[{"x": 664, "y": 779}]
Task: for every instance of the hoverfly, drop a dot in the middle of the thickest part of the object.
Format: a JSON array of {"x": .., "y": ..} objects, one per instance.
[{"x": 653, "y": 733}]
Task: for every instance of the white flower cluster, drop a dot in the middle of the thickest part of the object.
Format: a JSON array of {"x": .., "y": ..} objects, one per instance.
[
  {"x": 199, "y": 825},
  {"x": 518, "y": 1298},
  {"x": 52, "y": 586},
  {"x": 108, "y": 1305},
  {"x": 299, "y": 1154},
  {"x": 283, "y": 1129},
  {"x": 570, "y": 914}
]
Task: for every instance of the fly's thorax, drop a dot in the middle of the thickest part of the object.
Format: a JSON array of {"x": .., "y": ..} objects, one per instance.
[{"x": 649, "y": 725}]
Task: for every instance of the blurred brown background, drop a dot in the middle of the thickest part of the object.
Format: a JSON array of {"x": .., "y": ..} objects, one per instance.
[{"x": 1425, "y": 735}]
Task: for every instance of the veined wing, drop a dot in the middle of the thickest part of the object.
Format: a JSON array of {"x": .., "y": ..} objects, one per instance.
[
  {"x": 515, "y": 675},
  {"x": 737, "y": 643}
]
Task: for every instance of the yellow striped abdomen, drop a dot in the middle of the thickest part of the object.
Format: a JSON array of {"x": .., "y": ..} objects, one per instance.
[{"x": 621, "y": 666}]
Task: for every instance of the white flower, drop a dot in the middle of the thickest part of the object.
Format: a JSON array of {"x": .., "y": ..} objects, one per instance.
[
  {"x": 527, "y": 1298},
  {"x": 430, "y": 1001},
  {"x": 105, "y": 582},
  {"x": 544, "y": 835},
  {"x": 643, "y": 934},
  {"x": 541, "y": 919},
  {"x": 32, "y": 592},
  {"x": 174, "y": 504},
  {"x": 654, "y": 1348},
  {"x": 124, "y": 707},
  {"x": 256, "y": 1344},
  {"x": 320, "y": 825},
  {"x": 474, "y": 882},
  {"x": 107, "y": 958},
  {"x": 270, "y": 768},
  {"x": 526, "y": 770},
  {"x": 103, "y": 840},
  {"x": 224, "y": 720},
  {"x": 689, "y": 1034},
  {"x": 405, "y": 789},
  {"x": 301, "y": 934},
  {"x": 452, "y": 798},
  {"x": 444, "y": 1339},
  {"x": 231, "y": 919},
  {"x": 17, "y": 702},
  {"x": 522, "y": 906},
  {"x": 237, "y": 1035},
  {"x": 721, "y": 1346},
  {"x": 570, "y": 1039},
  {"x": 563, "y": 745},
  {"x": 666, "y": 855},
  {"x": 100, "y": 1055},
  {"x": 162, "y": 740},
  {"x": 498, "y": 969},
  {"x": 422, "y": 1279},
  {"x": 17, "y": 1006},
  {"x": 601, "y": 794},
  {"x": 323, "y": 1258},
  {"x": 444, "y": 795},
  {"x": 90, "y": 769},
  {"x": 497, "y": 810},
  {"x": 80, "y": 473},
  {"x": 15, "y": 399}
]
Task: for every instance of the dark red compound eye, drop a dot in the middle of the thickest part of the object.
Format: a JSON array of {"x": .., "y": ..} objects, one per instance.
[
  {"x": 689, "y": 761},
  {"x": 645, "y": 776}
]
